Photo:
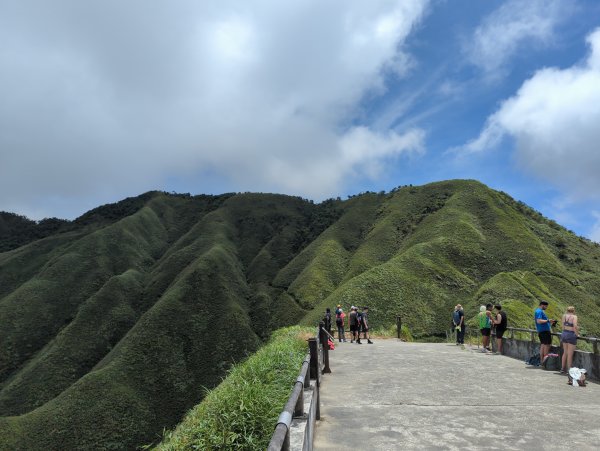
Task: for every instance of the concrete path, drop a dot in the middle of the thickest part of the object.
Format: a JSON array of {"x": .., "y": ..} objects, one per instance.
[{"x": 392, "y": 395}]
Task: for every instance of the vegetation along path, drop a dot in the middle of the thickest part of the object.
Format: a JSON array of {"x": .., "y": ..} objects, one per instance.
[{"x": 392, "y": 395}]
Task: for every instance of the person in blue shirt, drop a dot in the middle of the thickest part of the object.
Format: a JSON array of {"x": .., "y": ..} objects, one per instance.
[{"x": 543, "y": 326}]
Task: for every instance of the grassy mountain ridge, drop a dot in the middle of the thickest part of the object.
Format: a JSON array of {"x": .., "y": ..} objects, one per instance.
[{"x": 116, "y": 321}]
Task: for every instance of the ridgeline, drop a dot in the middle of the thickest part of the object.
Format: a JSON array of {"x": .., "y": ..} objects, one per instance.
[{"x": 113, "y": 324}]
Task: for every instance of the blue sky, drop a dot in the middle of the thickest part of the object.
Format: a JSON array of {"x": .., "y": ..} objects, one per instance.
[{"x": 104, "y": 100}]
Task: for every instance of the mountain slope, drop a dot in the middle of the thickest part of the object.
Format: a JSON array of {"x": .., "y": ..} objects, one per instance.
[{"x": 114, "y": 323}]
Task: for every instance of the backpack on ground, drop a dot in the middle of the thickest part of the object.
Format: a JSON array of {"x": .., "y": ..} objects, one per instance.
[{"x": 534, "y": 360}]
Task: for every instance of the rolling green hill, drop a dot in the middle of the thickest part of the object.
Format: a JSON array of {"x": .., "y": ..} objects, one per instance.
[{"x": 113, "y": 324}]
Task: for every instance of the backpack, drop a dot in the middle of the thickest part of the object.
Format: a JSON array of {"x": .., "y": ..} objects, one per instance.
[
  {"x": 534, "y": 360},
  {"x": 456, "y": 317},
  {"x": 339, "y": 321}
]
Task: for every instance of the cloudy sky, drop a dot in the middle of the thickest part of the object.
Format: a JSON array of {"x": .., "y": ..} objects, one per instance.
[{"x": 101, "y": 100}]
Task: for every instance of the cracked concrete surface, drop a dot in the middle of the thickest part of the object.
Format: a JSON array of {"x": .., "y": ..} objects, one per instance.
[{"x": 392, "y": 395}]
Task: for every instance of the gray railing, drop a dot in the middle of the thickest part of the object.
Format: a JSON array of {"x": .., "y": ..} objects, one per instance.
[
  {"x": 518, "y": 347},
  {"x": 533, "y": 334},
  {"x": 302, "y": 408}
]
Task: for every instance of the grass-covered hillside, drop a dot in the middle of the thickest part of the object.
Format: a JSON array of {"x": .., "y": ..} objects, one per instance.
[{"x": 114, "y": 324}]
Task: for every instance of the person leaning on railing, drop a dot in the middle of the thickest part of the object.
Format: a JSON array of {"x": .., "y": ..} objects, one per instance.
[
  {"x": 543, "y": 326},
  {"x": 568, "y": 338}
]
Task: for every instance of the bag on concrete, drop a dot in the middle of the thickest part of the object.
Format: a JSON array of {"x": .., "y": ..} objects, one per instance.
[{"x": 534, "y": 360}]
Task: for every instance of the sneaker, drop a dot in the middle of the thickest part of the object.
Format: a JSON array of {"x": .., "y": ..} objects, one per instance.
[
  {"x": 351, "y": 341},
  {"x": 370, "y": 342},
  {"x": 358, "y": 342}
]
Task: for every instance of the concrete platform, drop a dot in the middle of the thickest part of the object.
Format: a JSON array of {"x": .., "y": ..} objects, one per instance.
[{"x": 392, "y": 395}]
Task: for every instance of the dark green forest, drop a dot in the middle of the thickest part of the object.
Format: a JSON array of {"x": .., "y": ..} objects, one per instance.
[{"x": 115, "y": 323}]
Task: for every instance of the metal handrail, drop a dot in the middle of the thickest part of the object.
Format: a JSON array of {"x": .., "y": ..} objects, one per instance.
[
  {"x": 556, "y": 334},
  {"x": 318, "y": 359}
]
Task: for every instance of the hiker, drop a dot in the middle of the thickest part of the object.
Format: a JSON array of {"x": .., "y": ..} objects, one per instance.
[
  {"x": 339, "y": 322},
  {"x": 568, "y": 338},
  {"x": 501, "y": 323},
  {"x": 543, "y": 326},
  {"x": 327, "y": 320},
  {"x": 458, "y": 319},
  {"x": 485, "y": 326},
  {"x": 358, "y": 325},
  {"x": 353, "y": 324},
  {"x": 364, "y": 326}
]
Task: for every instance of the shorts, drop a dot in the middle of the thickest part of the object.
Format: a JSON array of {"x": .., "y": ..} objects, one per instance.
[
  {"x": 545, "y": 337},
  {"x": 353, "y": 327},
  {"x": 486, "y": 331},
  {"x": 569, "y": 337},
  {"x": 500, "y": 333}
]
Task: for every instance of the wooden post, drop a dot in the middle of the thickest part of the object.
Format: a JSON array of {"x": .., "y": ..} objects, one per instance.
[{"x": 398, "y": 325}]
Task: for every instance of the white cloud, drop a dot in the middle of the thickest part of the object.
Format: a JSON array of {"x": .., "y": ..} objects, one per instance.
[
  {"x": 516, "y": 22},
  {"x": 553, "y": 119},
  {"x": 595, "y": 231},
  {"x": 101, "y": 97}
]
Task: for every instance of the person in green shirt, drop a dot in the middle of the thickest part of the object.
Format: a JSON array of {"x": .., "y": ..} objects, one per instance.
[{"x": 485, "y": 325}]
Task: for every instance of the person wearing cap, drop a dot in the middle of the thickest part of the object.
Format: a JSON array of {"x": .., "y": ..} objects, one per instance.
[
  {"x": 339, "y": 322},
  {"x": 543, "y": 326},
  {"x": 353, "y": 324}
]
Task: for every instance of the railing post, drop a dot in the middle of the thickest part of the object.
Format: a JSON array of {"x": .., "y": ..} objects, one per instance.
[
  {"x": 299, "y": 408},
  {"x": 595, "y": 345},
  {"x": 325, "y": 344},
  {"x": 313, "y": 347},
  {"x": 398, "y": 325}
]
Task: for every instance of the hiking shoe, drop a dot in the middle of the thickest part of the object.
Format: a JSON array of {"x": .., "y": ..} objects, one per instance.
[
  {"x": 370, "y": 342},
  {"x": 358, "y": 342}
]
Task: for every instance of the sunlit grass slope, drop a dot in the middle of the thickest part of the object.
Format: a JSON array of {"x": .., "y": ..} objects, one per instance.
[{"x": 460, "y": 242}]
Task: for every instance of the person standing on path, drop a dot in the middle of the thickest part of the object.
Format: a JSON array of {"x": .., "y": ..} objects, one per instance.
[
  {"x": 501, "y": 322},
  {"x": 339, "y": 322},
  {"x": 353, "y": 325},
  {"x": 543, "y": 326},
  {"x": 458, "y": 319},
  {"x": 365, "y": 324},
  {"x": 568, "y": 338},
  {"x": 485, "y": 325}
]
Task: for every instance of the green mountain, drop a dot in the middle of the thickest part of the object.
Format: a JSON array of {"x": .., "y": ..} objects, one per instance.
[{"x": 114, "y": 324}]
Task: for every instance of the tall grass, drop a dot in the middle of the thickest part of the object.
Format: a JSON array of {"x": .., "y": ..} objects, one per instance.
[{"x": 242, "y": 411}]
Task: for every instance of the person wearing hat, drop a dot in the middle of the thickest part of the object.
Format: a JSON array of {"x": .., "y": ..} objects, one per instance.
[
  {"x": 339, "y": 322},
  {"x": 543, "y": 326}
]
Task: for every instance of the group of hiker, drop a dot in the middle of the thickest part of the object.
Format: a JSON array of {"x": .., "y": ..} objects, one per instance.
[
  {"x": 492, "y": 316},
  {"x": 487, "y": 320},
  {"x": 358, "y": 323}
]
